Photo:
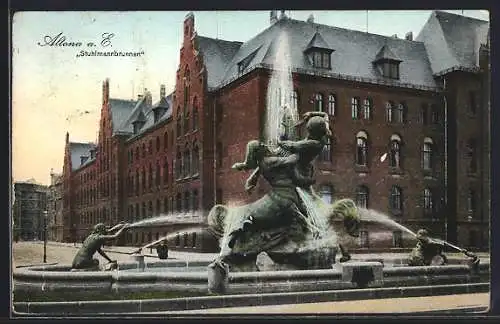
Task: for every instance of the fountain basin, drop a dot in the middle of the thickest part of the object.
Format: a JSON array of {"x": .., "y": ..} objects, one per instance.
[{"x": 192, "y": 277}]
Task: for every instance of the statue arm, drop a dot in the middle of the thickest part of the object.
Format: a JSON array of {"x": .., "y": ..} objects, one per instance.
[
  {"x": 116, "y": 235},
  {"x": 297, "y": 146},
  {"x": 117, "y": 226},
  {"x": 101, "y": 252}
]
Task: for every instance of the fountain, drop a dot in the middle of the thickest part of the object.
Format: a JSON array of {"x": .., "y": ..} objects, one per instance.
[{"x": 281, "y": 248}]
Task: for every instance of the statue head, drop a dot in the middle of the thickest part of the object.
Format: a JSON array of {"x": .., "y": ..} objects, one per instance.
[
  {"x": 423, "y": 235},
  {"x": 318, "y": 127},
  {"x": 99, "y": 229}
]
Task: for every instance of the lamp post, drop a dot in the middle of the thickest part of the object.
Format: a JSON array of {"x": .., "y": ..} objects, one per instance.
[{"x": 45, "y": 213}]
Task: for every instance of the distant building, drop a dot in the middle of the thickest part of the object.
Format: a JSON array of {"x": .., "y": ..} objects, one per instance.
[
  {"x": 423, "y": 101},
  {"x": 55, "y": 224},
  {"x": 29, "y": 204}
]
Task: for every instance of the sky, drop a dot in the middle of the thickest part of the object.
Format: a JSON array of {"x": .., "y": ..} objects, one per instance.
[{"x": 54, "y": 91}]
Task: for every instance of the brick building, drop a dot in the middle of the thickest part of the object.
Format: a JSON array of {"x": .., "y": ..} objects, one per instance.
[
  {"x": 424, "y": 102},
  {"x": 55, "y": 208},
  {"x": 30, "y": 202}
]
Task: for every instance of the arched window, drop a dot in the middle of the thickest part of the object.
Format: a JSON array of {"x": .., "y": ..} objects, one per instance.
[
  {"x": 367, "y": 108},
  {"x": 355, "y": 109},
  {"x": 165, "y": 205},
  {"x": 187, "y": 202},
  {"x": 143, "y": 210},
  {"x": 427, "y": 154},
  {"x": 143, "y": 150},
  {"x": 158, "y": 144},
  {"x": 150, "y": 208},
  {"x": 195, "y": 200},
  {"x": 400, "y": 113},
  {"x": 178, "y": 164},
  {"x": 137, "y": 212},
  {"x": 150, "y": 177},
  {"x": 434, "y": 114},
  {"x": 471, "y": 203},
  {"x": 396, "y": 199},
  {"x": 318, "y": 102},
  {"x": 395, "y": 152},
  {"x": 295, "y": 100},
  {"x": 137, "y": 156},
  {"x": 332, "y": 101},
  {"x": 362, "y": 148},
  {"x": 165, "y": 173},
  {"x": 179, "y": 122},
  {"x": 193, "y": 243},
  {"x": 150, "y": 147},
  {"x": 424, "y": 114},
  {"x": 187, "y": 163},
  {"x": 326, "y": 154},
  {"x": 144, "y": 184},
  {"x": 362, "y": 197},
  {"x": 326, "y": 193},
  {"x": 195, "y": 114},
  {"x": 195, "y": 159},
  {"x": 428, "y": 201},
  {"x": 389, "y": 111},
  {"x": 178, "y": 203},
  {"x": 186, "y": 120},
  {"x": 158, "y": 206},
  {"x": 165, "y": 141},
  {"x": 471, "y": 155},
  {"x": 158, "y": 174}
]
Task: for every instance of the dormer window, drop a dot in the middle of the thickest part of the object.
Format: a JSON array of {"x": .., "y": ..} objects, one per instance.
[
  {"x": 387, "y": 63},
  {"x": 243, "y": 64},
  {"x": 319, "y": 52}
]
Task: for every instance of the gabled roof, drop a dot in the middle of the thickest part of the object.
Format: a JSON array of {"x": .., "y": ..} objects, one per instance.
[
  {"x": 353, "y": 55},
  {"x": 217, "y": 54},
  {"x": 453, "y": 41},
  {"x": 318, "y": 42},
  {"x": 77, "y": 150},
  {"x": 386, "y": 54},
  {"x": 120, "y": 111}
]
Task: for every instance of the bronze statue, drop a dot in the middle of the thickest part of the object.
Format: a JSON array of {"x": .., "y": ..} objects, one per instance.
[
  {"x": 427, "y": 251},
  {"x": 277, "y": 222},
  {"x": 93, "y": 243}
]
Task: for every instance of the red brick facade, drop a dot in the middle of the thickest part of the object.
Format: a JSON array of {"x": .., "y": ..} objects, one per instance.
[{"x": 141, "y": 176}]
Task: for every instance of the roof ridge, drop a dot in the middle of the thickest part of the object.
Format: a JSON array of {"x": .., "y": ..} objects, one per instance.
[
  {"x": 460, "y": 16},
  {"x": 446, "y": 37}
]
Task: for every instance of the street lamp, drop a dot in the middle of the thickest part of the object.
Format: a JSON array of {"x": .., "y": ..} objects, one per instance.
[{"x": 45, "y": 213}]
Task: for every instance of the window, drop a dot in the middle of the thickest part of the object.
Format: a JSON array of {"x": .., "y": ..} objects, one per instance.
[
  {"x": 150, "y": 177},
  {"x": 195, "y": 161},
  {"x": 362, "y": 197},
  {"x": 150, "y": 208},
  {"x": 362, "y": 149},
  {"x": 193, "y": 243},
  {"x": 473, "y": 239},
  {"x": 395, "y": 152},
  {"x": 427, "y": 154},
  {"x": 143, "y": 150},
  {"x": 158, "y": 206},
  {"x": 158, "y": 144},
  {"x": 165, "y": 205},
  {"x": 178, "y": 165},
  {"x": 144, "y": 180},
  {"x": 158, "y": 174},
  {"x": 165, "y": 173},
  {"x": 178, "y": 203},
  {"x": 389, "y": 111},
  {"x": 320, "y": 59},
  {"x": 400, "y": 113},
  {"x": 390, "y": 69},
  {"x": 332, "y": 99},
  {"x": 219, "y": 154},
  {"x": 367, "y": 108},
  {"x": 318, "y": 102},
  {"x": 472, "y": 103},
  {"x": 150, "y": 147},
  {"x": 424, "y": 114},
  {"x": 185, "y": 239},
  {"x": 195, "y": 115},
  {"x": 195, "y": 204},
  {"x": 363, "y": 239},
  {"x": 471, "y": 203},
  {"x": 428, "y": 201},
  {"x": 397, "y": 239},
  {"x": 396, "y": 199},
  {"x": 434, "y": 114},
  {"x": 187, "y": 202},
  {"x": 137, "y": 156},
  {"x": 295, "y": 100},
  {"x": 143, "y": 210},
  {"x": 179, "y": 122},
  {"x": 165, "y": 141},
  {"x": 326, "y": 193},
  {"x": 177, "y": 239},
  {"x": 187, "y": 163},
  {"x": 326, "y": 154},
  {"x": 471, "y": 156},
  {"x": 355, "y": 108}
]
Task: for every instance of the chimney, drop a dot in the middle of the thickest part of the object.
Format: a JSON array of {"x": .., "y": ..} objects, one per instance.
[
  {"x": 395, "y": 36},
  {"x": 282, "y": 14},
  {"x": 148, "y": 97},
  {"x": 92, "y": 153},
  {"x": 105, "y": 91},
  {"x": 273, "y": 17},
  {"x": 409, "y": 36},
  {"x": 162, "y": 91},
  {"x": 310, "y": 19},
  {"x": 67, "y": 137}
]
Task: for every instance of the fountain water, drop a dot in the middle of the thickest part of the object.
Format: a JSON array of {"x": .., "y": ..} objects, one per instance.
[
  {"x": 280, "y": 107},
  {"x": 376, "y": 216}
]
